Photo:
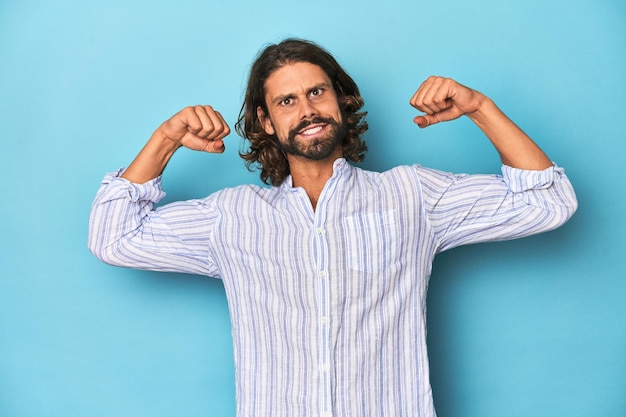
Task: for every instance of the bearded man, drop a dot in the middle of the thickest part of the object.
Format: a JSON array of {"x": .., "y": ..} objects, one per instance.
[{"x": 325, "y": 270}]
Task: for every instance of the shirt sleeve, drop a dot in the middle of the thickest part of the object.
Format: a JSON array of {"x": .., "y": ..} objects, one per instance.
[
  {"x": 464, "y": 209},
  {"x": 126, "y": 230}
]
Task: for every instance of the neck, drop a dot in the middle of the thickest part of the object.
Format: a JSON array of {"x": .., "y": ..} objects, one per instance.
[{"x": 311, "y": 175}]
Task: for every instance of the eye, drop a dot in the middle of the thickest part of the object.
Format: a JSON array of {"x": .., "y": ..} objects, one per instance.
[
  {"x": 316, "y": 92},
  {"x": 286, "y": 101}
]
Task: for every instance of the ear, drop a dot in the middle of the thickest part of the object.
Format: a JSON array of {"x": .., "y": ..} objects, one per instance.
[{"x": 266, "y": 123}]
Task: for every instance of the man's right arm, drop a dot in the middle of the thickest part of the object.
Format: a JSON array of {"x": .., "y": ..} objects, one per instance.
[
  {"x": 124, "y": 229},
  {"x": 199, "y": 128}
]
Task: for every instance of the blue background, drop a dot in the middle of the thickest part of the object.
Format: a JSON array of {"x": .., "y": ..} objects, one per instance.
[{"x": 530, "y": 327}]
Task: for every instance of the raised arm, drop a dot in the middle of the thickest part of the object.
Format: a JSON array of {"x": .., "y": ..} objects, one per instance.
[
  {"x": 124, "y": 229},
  {"x": 200, "y": 128},
  {"x": 443, "y": 99}
]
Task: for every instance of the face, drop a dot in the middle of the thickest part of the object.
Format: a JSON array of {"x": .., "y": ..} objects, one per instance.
[{"x": 303, "y": 112}]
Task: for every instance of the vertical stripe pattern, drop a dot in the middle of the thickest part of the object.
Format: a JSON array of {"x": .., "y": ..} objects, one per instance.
[{"x": 327, "y": 306}]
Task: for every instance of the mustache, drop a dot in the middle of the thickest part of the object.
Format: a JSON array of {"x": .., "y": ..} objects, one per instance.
[{"x": 306, "y": 123}]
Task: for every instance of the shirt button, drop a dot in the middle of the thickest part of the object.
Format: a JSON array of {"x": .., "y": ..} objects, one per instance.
[
  {"x": 326, "y": 414},
  {"x": 322, "y": 274},
  {"x": 319, "y": 230},
  {"x": 324, "y": 320},
  {"x": 324, "y": 368}
]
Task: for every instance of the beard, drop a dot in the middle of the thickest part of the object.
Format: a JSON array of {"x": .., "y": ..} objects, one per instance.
[{"x": 319, "y": 148}]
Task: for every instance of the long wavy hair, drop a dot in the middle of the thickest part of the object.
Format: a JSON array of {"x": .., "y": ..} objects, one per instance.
[{"x": 264, "y": 152}]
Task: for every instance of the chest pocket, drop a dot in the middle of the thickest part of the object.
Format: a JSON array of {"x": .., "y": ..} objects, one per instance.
[{"x": 372, "y": 241}]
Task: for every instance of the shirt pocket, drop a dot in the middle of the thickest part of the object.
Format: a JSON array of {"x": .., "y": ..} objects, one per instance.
[{"x": 372, "y": 241}]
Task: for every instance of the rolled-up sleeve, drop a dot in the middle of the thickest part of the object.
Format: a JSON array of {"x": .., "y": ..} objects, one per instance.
[
  {"x": 125, "y": 229},
  {"x": 464, "y": 209}
]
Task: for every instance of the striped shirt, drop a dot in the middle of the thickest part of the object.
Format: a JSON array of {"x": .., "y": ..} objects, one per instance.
[{"x": 327, "y": 305}]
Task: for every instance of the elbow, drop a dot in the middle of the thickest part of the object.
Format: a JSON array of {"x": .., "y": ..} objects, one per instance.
[
  {"x": 103, "y": 254},
  {"x": 565, "y": 212},
  {"x": 567, "y": 201},
  {"x": 570, "y": 206},
  {"x": 106, "y": 253},
  {"x": 562, "y": 204}
]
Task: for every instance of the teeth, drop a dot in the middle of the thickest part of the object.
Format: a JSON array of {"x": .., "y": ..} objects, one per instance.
[{"x": 312, "y": 130}]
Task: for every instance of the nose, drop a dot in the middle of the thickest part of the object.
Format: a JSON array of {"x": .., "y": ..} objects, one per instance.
[{"x": 307, "y": 109}]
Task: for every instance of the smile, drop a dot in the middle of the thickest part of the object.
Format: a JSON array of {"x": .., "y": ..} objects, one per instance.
[{"x": 313, "y": 130}]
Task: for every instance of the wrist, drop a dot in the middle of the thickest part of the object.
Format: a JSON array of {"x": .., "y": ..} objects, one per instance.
[
  {"x": 484, "y": 110},
  {"x": 152, "y": 159},
  {"x": 164, "y": 143}
]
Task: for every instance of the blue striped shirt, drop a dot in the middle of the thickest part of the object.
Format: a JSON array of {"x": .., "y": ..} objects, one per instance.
[{"x": 327, "y": 305}]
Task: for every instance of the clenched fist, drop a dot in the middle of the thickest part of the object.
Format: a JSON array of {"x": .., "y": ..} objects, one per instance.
[
  {"x": 200, "y": 128},
  {"x": 443, "y": 99}
]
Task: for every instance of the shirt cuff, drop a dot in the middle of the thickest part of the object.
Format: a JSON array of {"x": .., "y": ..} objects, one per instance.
[
  {"x": 520, "y": 180},
  {"x": 148, "y": 191}
]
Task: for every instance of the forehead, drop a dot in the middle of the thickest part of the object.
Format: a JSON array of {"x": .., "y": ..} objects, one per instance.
[{"x": 294, "y": 78}]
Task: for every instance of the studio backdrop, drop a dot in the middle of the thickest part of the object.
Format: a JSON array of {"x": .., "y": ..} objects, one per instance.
[{"x": 533, "y": 327}]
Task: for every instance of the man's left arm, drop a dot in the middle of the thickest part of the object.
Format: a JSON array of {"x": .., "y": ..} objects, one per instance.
[
  {"x": 443, "y": 99},
  {"x": 532, "y": 196}
]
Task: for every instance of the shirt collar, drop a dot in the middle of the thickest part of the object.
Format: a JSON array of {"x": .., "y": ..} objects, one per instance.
[{"x": 340, "y": 168}]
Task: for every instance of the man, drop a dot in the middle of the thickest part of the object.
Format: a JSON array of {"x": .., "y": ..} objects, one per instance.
[{"x": 326, "y": 271}]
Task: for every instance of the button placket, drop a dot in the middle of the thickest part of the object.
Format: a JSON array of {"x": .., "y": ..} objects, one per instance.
[{"x": 323, "y": 313}]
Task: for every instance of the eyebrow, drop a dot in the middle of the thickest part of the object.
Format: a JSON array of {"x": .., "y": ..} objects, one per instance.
[{"x": 282, "y": 97}]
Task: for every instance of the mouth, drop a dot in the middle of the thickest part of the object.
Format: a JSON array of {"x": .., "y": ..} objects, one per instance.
[{"x": 312, "y": 130}]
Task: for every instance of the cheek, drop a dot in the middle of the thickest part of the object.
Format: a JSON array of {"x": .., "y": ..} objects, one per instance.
[
  {"x": 283, "y": 124},
  {"x": 334, "y": 110}
]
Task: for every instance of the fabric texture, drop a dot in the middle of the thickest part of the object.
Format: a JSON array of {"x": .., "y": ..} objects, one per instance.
[{"x": 327, "y": 305}]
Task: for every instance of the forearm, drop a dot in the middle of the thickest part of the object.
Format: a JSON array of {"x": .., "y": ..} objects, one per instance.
[
  {"x": 152, "y": 159},
  {"x": 199, "y": 128},
  {"x": 516, "y": 149}
]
